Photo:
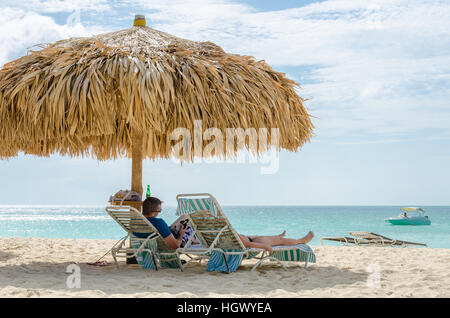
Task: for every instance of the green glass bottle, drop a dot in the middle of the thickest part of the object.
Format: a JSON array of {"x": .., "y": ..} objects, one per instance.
[{"x": 148, "y": 192}]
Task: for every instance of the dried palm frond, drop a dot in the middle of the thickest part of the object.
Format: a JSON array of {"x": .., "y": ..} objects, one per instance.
[{"x": 90, "y": 96}]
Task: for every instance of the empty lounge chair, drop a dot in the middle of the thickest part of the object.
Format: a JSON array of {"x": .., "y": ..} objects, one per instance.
[
  {"x": 377, "y": 239},
  {"x": 369, "y": 239}
]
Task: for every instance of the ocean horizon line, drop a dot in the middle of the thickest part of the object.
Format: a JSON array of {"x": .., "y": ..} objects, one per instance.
[{"x": 229, "y": 205}]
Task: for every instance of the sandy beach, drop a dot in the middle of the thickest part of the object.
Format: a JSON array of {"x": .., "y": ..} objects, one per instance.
[{"x": 36, "y": 267}]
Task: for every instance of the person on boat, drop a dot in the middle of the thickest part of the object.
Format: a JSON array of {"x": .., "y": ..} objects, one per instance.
[
  {"x": 405, "y": 215},
  {"x": 266, "y": 242}
]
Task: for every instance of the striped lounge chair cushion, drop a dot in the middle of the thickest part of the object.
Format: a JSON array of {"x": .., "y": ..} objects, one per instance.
[
  {"x": 295, "y": 253},
  {"x": 188, "y": 206},
  {"x": 145, "y": 259},
  {"x": 217, "y": 262}
]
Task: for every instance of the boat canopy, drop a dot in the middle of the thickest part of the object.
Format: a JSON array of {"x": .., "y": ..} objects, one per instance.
[{"x": 411, "y": 209}]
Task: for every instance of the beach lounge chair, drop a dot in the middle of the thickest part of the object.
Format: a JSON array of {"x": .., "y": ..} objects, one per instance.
[
  {"x": 221, "y": 243},
  {"x": 377, "y": 239},
  {"x": 151, "y": 252},
  {"x": 345, "y": 240},
  {"x": 369, "y": 239}
]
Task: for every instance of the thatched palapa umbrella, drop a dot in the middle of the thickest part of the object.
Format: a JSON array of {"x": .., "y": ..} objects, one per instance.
[{"x": 124, "y": 92}]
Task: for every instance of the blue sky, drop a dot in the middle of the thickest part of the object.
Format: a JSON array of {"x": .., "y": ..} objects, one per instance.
[{"x": 377, "y": 73}]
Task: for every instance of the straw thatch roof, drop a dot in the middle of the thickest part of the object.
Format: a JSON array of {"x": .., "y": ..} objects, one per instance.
[{"x": 91, "y": 95}]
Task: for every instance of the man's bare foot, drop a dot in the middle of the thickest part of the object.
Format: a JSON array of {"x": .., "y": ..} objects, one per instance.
[
  {"x": 307, "y": 238},
  {"x": 282, "y": 234}
]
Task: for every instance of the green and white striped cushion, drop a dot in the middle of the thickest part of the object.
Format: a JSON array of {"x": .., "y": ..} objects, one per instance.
[
  {"x": 252, "y": 254},
  {"x": 144, "y": 258},
  {"x": 168, "y": 261},
  {"x": 188, "y": 206},
  {"x": 296, "y": 253}
]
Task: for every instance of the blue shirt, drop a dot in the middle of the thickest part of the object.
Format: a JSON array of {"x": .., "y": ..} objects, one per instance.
[{"x": 160, "y": 225}]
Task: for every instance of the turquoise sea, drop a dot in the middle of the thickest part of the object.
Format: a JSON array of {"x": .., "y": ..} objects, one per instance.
[{"x": 94, "y": 223}]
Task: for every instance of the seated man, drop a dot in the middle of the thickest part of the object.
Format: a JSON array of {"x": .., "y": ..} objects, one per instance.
[
  {"x": 151, "y": 207},
  {"x": 266, "y": 242}
]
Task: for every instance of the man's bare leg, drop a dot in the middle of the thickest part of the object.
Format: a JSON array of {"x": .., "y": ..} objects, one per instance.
[
  {"x": 270, "y": 237},
  {"x": 279, "y": 240},
  {"x": 304, "y": 240}
]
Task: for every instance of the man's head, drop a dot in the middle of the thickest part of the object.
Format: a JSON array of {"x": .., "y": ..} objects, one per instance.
[{"x": 151, "y": 207}]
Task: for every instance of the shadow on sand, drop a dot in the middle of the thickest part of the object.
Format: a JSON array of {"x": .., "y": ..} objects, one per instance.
[
  {"x": 4, "y": 256},
  {"x": 269, "y": 280}
]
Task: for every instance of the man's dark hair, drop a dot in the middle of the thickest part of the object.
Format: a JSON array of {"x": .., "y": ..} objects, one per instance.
[{"x": 150, "y": 205}]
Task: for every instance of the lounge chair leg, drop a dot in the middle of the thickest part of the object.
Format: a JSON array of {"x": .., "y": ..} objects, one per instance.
[
  {"x": 226, "y": 263},
  {"x": 268, "y": 258},
  {"x": 179, "y": 262},
  {"x": 113, "y": 252},
  {"x": 154, "y": 261},
  {"x": 256, "y": 265}
]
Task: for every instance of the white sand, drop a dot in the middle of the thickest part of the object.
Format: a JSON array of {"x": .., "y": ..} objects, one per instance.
[{"x": 37, "y": 268}]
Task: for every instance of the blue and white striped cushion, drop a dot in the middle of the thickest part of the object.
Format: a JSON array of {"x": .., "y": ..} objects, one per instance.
[{"x": 217, "y": 263}]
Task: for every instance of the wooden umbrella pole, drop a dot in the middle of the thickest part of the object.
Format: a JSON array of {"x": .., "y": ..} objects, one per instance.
[
  {"x": 136, "y": 176},
  {"x": 136, "y": 164}
]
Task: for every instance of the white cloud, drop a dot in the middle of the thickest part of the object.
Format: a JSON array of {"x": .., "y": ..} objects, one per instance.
[
  {"x": 378, "y": 69},
  {"x": 393, "y": 140},
  {"x": 52, "y": 6},
  {"x": 381, "y": 67},
  {"x": 21, "y": 30}
]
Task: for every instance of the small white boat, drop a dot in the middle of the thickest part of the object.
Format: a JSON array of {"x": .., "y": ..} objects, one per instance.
[{"x": 410, "y": 216}]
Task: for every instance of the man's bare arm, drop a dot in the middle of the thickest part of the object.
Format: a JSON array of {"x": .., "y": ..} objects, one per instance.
[{"x": 173, "y": 242}]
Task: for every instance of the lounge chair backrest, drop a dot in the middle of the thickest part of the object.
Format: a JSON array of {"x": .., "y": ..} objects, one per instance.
[
  {"x": 190, "y": 203},
  {"x": 215, "y": 231},
  {"x": 207, "y": 218},
  {"x": 131, "y": 220}
]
